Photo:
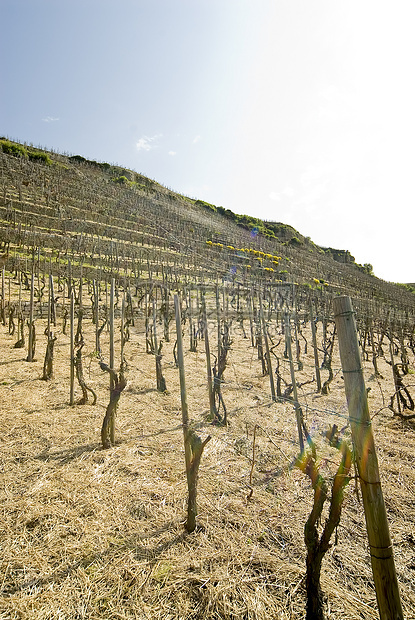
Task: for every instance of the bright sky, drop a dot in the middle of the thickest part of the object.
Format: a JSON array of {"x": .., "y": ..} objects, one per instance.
[{"x": 298, "y": 111}]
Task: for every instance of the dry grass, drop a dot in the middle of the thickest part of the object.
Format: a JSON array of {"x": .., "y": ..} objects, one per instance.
[{"x": 88, "y": 533}]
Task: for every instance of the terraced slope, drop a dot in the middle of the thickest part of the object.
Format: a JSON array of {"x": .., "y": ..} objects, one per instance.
[{"x": 106, "y": 217}]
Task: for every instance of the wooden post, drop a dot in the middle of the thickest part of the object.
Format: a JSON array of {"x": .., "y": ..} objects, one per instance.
[
  {"x": 380, "y": 544},
  {"x": 32, "y": 293},
  {"x": 267, "y": 351},
  {"x": 111, "y": 328},
  {"x": 81, "y": 281},
  {"x": 122, "y": 329},
  {"x": 147, "y": 325},
  {"x": 52, "y": 300},
  {"x": 314, "y": 337},
  {"x": 39, "y": 288},
  {"x": 298, "y": 412},
  {"x": 218, "y": 318},
  {"x": 96, "y": 312},
  {"x": 397, "y": 389},
  {"x": 20, "y": 293},
  {"x": 3, "y": 300},
  {"x": 155, "y": 339},
  {"x": 249, "y": 304},
  {"x": 49, "y": 309},
  {"x": 63, "y": 298},
  {"x": 72, "y": 350},
  {"x": 193, "y": 336},
  {"x": 208, "y": 362},
  {"x": 180, "y": 359},
  {"x": 193, "y": 445},
  {"x": 69, "y": 278}
]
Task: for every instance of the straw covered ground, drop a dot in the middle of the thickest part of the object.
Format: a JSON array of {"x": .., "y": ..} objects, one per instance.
[{"x": 92, "y": 533}]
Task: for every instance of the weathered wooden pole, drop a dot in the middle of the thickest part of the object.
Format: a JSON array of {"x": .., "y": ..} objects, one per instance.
[
  {"x": 52, "y": 300},
  {"x": 111, "y": 330},
  {"x": 147, "y": 323},
  {"x": 20, "y": 293},
  {"x": 267, "y": 350},
  {"x": 298, "y": 411},
  {"x": 69, "y": 278},
  {"x": 96, "y": 312},
  {"x": 314, "y": 337},
  {"x": 249, "y": 304},
  {"x": 192, "y": 334},
  {"x": 122, "y": 328},
  {"x": 180, "y": 359},
  {"x": 208, "y": 362},
  {"x": 81, "y": 282},
  {"x": 218, "y": 319},
  {"x": 397, "y": 388},
  {"x": 193, "y": 445},
  {"x": 72, "y": 350},
  {"x": 3, "y": 300},
  {"x": 31, "y": 334},
  {"x": 155, "y": 339},
  {"x": 380, "y": 544},
  {"x": 49, "y": 309}
]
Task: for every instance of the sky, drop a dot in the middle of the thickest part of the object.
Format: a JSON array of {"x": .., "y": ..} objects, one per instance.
[{"x": 295, "y": 111}]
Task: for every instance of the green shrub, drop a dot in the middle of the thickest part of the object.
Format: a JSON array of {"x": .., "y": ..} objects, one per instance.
[
  {"x": 40, "y": 156},
  {"x": 122, "y": 180},
  {"x": 206, "y": 205},
  {"x": 17, "y": 150}
]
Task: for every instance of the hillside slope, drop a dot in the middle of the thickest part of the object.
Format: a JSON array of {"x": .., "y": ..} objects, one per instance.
[
  {"x": 94, "y": 210},
  {"x": 95, "y": 261}
]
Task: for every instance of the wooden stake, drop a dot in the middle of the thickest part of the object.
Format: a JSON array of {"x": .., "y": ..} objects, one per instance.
[
  {"x": 314, "y": 337},
  {"x": 96, "y": 311},
  {"x": 397, "y": 388},
  {"x": 180, "y": 359},
  {"x": 298, "y": 412},
  {"x": 208, "y": 362},
  {"x": 193, "y": 337},
  {"x": 49, "y": 309},
  {"x": 218, "y": 318},
  {"x": 32, "y": 293},
  {"x": 3, "y": 300},
  {"x": 52, "y": 300},
  {"x": 267, "y": 351},
  {"x": 72, "y": 350},
  {"x": 111, "y": 329},
  {"x": 193, "y": 445},
  {"x": 380, "y": 544}
]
